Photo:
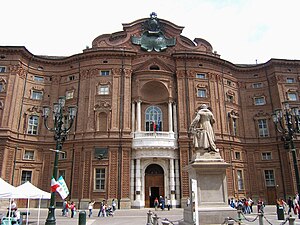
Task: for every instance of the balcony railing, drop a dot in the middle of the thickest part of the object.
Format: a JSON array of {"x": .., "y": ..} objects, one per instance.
[{"x": 158, "y": 139}]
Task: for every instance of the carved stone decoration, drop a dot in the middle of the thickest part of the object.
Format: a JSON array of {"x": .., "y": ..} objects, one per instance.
[
  {"x": 261, "y": 115},
  {"x": 103, "y": 106},
  {"x": 34, "y": 110},
  {"x": 153, "y": 37}
]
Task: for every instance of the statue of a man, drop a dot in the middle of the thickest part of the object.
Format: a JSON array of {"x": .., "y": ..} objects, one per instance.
[{"x": 201, "y": 128}]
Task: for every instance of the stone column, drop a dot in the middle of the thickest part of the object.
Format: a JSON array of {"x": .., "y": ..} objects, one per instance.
[
  {"x": 170, "y": 116},
  {"x": 139, "y": 115},
  {"x": 132, "y": 179},
  {"x": 133, "y": 117},
  {"x": 177, "y": 182},
  {"x": 138, "y": 184},
  {"x": 172, "y": 183},
  {"x": 175, "y": 117}
]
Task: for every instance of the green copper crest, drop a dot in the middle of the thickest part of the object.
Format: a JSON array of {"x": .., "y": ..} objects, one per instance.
[{"x": 153, "y": 37}]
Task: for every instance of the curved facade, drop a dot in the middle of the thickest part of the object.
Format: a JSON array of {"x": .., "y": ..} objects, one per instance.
[{"x": 137, "y": 91}]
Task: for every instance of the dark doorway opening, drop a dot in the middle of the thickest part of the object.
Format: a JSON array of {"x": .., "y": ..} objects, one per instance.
[{"x": 154, "y": 194}]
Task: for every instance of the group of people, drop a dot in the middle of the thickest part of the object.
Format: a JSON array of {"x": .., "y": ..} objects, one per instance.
[
  {"x": 105, "y": 209},
  {"x": 291, "y": 205},
  {"x": 246, "y": 204},
  {"x": 13, "y": 212},
  {"x": 68, "y": 206},
  {"x": 162, "y": 203}
]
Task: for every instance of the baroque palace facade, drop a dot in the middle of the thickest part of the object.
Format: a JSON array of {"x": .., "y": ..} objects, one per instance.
[{"x": 137, "y": 91}]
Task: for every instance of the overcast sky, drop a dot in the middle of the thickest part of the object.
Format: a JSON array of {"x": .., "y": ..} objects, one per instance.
[{"x": 241, "y": 31}]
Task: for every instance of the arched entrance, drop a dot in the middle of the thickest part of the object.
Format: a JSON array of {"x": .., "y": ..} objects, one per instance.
[{"x": 154, "y": 184}]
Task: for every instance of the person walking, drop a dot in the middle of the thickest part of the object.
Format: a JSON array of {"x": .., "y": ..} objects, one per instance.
[
  {"x": 114, "y": 205},
  {"x": 90, "y": 207},
  {"x": 156, "y": 203},
  {"x": 290, "y": 205},
  {"x": 73, "y": 209},
  {"x": 168, "y": 204}
]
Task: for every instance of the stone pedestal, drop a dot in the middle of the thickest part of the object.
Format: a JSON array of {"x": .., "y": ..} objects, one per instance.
[{"x": 208, "y": 172}]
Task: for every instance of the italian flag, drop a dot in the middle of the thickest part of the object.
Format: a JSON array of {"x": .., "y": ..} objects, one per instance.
[{"x": 54, "y": 185}]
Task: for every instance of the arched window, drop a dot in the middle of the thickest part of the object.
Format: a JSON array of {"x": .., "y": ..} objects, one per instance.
[{"x": 153, "y": 119}]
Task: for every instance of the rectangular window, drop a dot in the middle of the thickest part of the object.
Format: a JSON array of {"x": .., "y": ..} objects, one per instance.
[
  {"x": 263, "y": 128},
  {"x": 257, "y": 85},
  {"x": 103, "y": 90},
  {"x": 1, "y": 87},
  {"x": 72, "y": 77},
  {"x": 28, "y": 155},
  {"x": 292, "y": 96},
  {"x": 234, "y": 126},
  {"x": 99, "y": 179},
  {"x": 240, "y": 180},
  {"x": 290, "y": 80},
  {"x": 36, "y": 95},
  {"x": 229, "y": 82},
  {"x": 266, "y": 156},
  {"x": 104, "y": 73},
  {"x": 26, "y": 176},
  {"x": 33, "y": 123},
  {"x": 69, "y": 94},
  {"x": 200, "y": 75},
  {"x": 61, "y": 173},
  {"x": 38, "y": 79},
  {"x": 2, "y": 69},
  {"x": 269, "y": 178},
  {"x": 259, "y": 101},
  {"x": 62, "y": 155},
  {"x": 237, "y": 155},
  {"x": 201, "y": 93}
]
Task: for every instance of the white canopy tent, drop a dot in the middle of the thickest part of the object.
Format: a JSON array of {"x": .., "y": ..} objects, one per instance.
[
  {"x": 7, "y": 190},
  {"x": 29, "y": 191}
]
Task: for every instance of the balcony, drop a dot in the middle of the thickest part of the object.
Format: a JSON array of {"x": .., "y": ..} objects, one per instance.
[{"x": 150, "y": 139}]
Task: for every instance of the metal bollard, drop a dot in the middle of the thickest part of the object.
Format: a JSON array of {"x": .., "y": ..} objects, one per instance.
[
  {"x": 239, "y": 212},
  {"x": 155, "y": 220},
  {"x": 149, "y": 214},
  {"x": 82, "y": 218},
  {"x": 292, "y": 220},
  {"x": 261, "y": 218}
]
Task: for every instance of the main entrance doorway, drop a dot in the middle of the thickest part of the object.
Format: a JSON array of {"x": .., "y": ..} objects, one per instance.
[{"x": 154, "y": 184}]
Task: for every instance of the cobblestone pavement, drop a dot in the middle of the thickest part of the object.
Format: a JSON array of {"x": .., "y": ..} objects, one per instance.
[{"x": 139, "y": 217}]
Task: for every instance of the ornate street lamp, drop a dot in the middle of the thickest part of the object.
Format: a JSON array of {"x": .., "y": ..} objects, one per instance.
[
  {"x": 63, "y": 121},
  {"x": 287, "y": 121}
]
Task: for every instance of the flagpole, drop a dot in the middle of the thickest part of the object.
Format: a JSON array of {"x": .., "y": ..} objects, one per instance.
[{"x": 51, "y": 220}]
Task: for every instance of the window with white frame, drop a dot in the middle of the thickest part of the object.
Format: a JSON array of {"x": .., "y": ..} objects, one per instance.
[
  {"x": 33, "y": 123},
  {"x": 2, "y": 69},
  {"x": 290, "y": 80},
  {"x": 201, "y": 93},
  {"x": 103, "y": 89},
  {"x": 153, "y": 119},
  {"x": 292, "y": 96},
  {"x": 266, "y": 156},
  {"x": 99, "y": 179},
  {"x": 28, "y": 155},
  {"x": 38, "y": 78},
  {"x": 257, "y": 85},
  {"x": 269, "y": 178},
  {"x": 104, "y": 73},
  {"x": 260, "y": 100},
  {"x": 263, "y": 130},
  {"x": 36, "y": 95},
  {"x": 69, "y": 94},
  {"x": 240, "y": 180},
  {"x": 26, "y": 176},
  {"x": 201, "y": 75}
]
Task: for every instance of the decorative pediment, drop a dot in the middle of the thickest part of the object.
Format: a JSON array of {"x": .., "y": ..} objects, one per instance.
[
  {"x": 103, "y": 106},
  {"x": 261, "y": 114},
  {"x": 154, "y": 64}
]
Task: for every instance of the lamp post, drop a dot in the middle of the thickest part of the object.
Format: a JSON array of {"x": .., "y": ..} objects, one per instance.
[
  {"x": 63, "y": 120},
  {"x": 287, "y": 122}
]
